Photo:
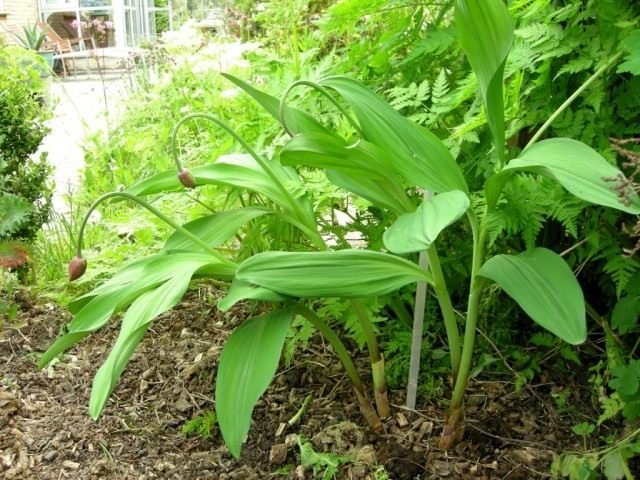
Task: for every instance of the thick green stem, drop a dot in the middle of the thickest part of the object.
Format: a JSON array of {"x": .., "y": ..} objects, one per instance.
[
  {"x": 570, "y": 100},
  {"x": 454, "y": 428},
  {"x": 377, "y": 361},
  {"x": 343, "y": 354},
  {"x": 157, "y": 213},
  {"x": 448, "y": 314},
  {"x": 367, "y": 330}
]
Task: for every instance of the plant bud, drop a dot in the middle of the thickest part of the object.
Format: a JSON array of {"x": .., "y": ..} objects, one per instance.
[
  {"x": 187, "y": 179},
  {"x": 77, "y": 267}
]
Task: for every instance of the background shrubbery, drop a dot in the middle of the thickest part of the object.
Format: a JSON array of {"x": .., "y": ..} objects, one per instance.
[{"x": 25, "y": 189}]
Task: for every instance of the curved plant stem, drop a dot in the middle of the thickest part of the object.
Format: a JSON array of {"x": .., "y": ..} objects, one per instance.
[
  {"x": 376, "y": 358},
  {"x": 341, "y": 351},
  {"x": 293, "y": 204},
  {"x": 570, "y": 100},
  {"x": 157, "y": 213},
  {"x": 323, "y": 91}
]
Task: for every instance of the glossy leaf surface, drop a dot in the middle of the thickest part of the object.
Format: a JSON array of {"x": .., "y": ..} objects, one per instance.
[
  {"x": 93, "y": 310},
  {"x": 134, "y": 325},
  {"x": 363, "y": 169},
  {"x": 240, "y": 290}
]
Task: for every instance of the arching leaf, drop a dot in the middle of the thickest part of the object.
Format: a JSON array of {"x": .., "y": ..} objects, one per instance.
[
  {"x": 248, "y": 362},
  {"x": 485, "y": 32},
  {"x": 347, "y": 273},
  {"x": 579, "y": 169},
  {"x": 542, "y": 283},
  {"x": 416, "y": 153},
  {"x": 135, "y": 323},
  {"x": 416, "y": 231},
  {"x": 214, "y": 229},
  {"x": 297, "y": 120},
  {"x": 363, "y": 169}
]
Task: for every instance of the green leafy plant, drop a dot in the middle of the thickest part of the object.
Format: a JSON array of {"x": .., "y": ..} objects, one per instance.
[
  {"x": 538, "y": 280},
  {"x": 202, "y": 425},
  {"x": 388, "y": 161},
  {"x": 611, "y": 461},
  {"x": 25, "y": 190},
  {"x": 323, "y": 465},
  {"x": 32, "y": 37}
]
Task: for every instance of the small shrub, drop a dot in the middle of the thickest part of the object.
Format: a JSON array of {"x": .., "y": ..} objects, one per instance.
[{"x": 24, "y": 179}]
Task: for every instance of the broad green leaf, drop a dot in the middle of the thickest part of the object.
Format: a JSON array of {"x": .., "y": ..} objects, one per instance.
[
  {"x": 297, "y": 120},
  {"x": 614, "y": 464},
  {"x": 240, "y": 171},
  {"x": 544, "y": 286},
  {"x": 248, "y": 362},
  {"x": 416, "y": 154},
  {"x": 214, "y": 229},
  {"x": 240, "y": 290},
  {"x": 134, "y": 325},
  {"x": 124, "y": 287},
  {"x": 347, "y": 273},
  {"x": 330, "y": 152},
  {"x": 414, "y": 232},
  {"x": 363, "y": 169},
  {"x": 485, "y": 32},
  {"x": 578, "y": 168}
]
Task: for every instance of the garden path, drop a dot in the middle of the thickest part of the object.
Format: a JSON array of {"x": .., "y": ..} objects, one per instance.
[{"x": 82, "y": 107}]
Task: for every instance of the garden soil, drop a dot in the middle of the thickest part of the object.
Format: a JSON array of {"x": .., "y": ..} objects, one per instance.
[{"x": 46, "y": 432}]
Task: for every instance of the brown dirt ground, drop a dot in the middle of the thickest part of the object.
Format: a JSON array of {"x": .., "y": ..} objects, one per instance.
[{"x": 46, "y": 433}]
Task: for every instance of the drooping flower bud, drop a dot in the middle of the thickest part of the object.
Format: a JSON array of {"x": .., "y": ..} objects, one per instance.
[
  {"x": 77, "y": 267},
  {"x": 187, "y": 179}
]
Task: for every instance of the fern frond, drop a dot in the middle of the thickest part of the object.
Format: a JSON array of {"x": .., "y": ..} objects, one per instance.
[
  {"x": 439, "y": 90},
  {"x": 575, "y": 65},
  {"x": 412, "y": 96},
  {"x": 620, "y": 267},
  {"x": 433, "y": 43}
]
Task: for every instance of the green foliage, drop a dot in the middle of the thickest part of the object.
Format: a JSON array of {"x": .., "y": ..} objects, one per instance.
[
  {"x": 14, "y": 212},
  {"x": 625, "y": 381},
  {"x": 24, "y": 180},
  {"x": 202, "y": 425},
  {"x": 323, "y": 465},
  {"x": 631, "y": 62},
  {"x": 268, "y": 200},
  {"x": 32, "y": 37}
]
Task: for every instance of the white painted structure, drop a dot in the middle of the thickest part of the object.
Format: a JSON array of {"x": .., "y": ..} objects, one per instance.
[{"x": 133, "y": 20}]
